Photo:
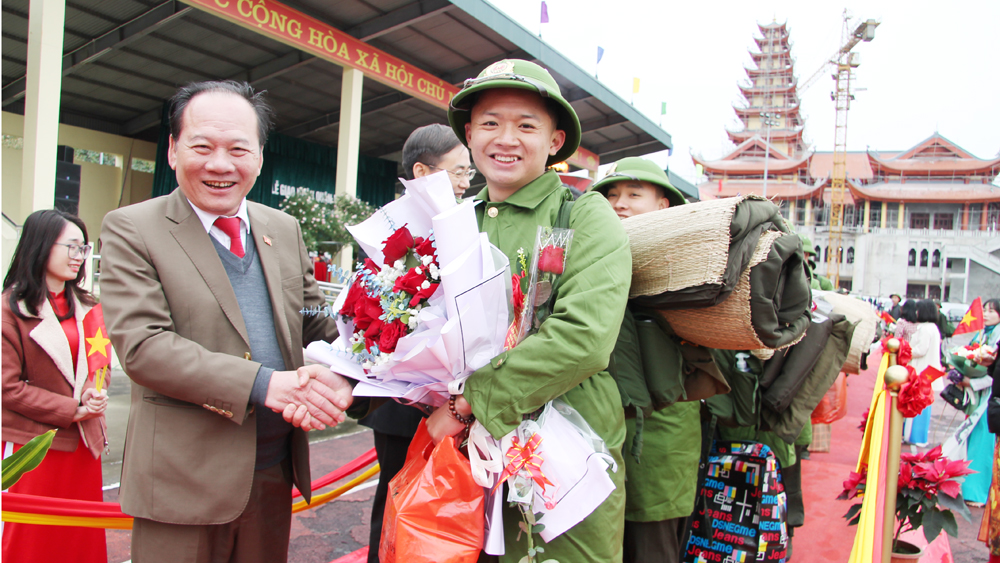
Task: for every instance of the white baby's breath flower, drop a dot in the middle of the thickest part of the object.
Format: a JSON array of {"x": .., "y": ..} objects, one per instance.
[
  {"x": 425, "y": 285},
  {"x": 426, "y": 260}
]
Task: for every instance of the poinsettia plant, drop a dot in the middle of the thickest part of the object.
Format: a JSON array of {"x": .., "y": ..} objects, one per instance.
[
  {"x": 383, "y": 301},
  {"x": 928, "y": 494}
]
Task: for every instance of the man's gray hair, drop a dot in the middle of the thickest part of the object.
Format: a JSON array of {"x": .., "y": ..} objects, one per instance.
[
  {"x": 428, "y": 145},
  {"x": 180, "y": 101}
]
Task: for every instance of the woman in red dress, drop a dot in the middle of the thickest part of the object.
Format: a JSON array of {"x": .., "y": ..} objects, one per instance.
[{"x": 45, "y": 385}]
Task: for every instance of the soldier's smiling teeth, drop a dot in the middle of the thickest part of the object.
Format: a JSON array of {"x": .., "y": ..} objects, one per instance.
[
  {"x": 506, "y": 159},
  {"x": 219, "y": 184}
]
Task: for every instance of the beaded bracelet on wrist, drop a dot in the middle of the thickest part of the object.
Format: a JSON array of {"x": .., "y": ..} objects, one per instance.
[{"x": 454, "y": 413}]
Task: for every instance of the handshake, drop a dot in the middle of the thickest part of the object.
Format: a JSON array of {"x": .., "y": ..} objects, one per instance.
[{"x": 312, "y": 397}]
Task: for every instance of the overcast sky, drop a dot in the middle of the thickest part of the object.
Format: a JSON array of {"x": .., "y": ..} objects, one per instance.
[{"x": 932, "y": 66}]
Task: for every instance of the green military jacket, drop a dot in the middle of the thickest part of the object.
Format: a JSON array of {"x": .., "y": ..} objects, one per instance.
[
  {"x": 662, "y": 484},
  {"x": 568, "y": 355}
]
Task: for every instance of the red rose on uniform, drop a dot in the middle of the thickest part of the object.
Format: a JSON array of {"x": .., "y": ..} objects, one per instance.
[
  {"x": 552, "y": 259},
  {"x": 397, "y": 245}
]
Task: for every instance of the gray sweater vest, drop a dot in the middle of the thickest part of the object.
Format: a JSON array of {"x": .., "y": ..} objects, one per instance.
[{"x": 247, "y": 278}]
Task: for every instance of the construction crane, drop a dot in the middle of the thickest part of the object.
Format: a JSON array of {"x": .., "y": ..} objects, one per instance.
[{"x": 846, "y": 61}]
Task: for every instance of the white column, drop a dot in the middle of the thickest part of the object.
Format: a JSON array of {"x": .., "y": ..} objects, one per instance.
[
  {"x": 349, "y": 144},
  {"x": 41, "y": 104},
  {"x": 965, "y": 284}
]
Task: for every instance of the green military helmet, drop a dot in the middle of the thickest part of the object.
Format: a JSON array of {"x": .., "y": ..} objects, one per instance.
[
  {"x": 639, "y": 169},
  {"x": 522, "y": 75},
  {"x": 807, "y": 245}
]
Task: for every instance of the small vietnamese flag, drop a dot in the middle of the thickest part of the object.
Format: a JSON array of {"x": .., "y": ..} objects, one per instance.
[
  {"x": 98, "y": 345},
  {"x": 886, "y": 317},
  {"x": 932, "y": 373},
  {"x": 973, "y": 319}
]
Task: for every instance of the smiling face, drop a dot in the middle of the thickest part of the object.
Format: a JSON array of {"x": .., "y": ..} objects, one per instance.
[
  {"x": 631, "y": 198},
  {"x": 217, "y": 156},
  {"x": 60, "y": 267},
  {"x": 511, "y": 135}
]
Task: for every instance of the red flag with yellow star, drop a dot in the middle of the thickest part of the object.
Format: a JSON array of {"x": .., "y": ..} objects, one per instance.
[
  {"x": 973, "y": 319},
  {"x": 95, "y": 334}
]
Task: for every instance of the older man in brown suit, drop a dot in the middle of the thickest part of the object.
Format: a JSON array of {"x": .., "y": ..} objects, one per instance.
[{"x": 202, "y": 292}]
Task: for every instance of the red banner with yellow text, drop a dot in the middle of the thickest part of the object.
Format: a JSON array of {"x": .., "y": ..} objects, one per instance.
[{"x": 292, "y": 27}]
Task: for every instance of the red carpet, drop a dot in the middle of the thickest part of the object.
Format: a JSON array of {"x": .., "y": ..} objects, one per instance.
[{"x": 826, "y": 535}]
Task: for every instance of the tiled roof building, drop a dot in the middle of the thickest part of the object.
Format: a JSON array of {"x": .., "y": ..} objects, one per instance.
[{"x": 921, "y": 222}]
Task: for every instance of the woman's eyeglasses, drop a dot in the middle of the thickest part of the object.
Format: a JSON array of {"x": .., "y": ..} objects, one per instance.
[{"x": 76, "y": 250}]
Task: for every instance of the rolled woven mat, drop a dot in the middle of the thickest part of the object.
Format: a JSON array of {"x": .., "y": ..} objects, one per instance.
[
  {"x": 768, "y": 309},
  {"x": 856, "y": 311},
  {"x": 692, "y": 255}
]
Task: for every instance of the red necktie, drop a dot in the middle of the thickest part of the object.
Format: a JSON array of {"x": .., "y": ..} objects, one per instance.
[{"x": 231, "y": 226}]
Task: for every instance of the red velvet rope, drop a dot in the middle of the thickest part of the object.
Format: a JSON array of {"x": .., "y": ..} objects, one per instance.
[
  {"x": 349, "y": 468},
  {"x": 33, "y": 504}
]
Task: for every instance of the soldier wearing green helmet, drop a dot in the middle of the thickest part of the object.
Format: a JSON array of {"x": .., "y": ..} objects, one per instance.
[
  {"x": 516, "y": 123},
  {"x": 660, "y": 490},
  {"x": 815, "y": 281}
]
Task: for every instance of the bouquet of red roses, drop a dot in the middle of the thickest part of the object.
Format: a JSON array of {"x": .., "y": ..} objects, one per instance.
[
  {"x": 383, "y": 302},
  {"x": 428, "y": 307}
]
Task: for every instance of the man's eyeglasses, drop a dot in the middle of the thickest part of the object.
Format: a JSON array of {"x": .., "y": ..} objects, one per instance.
[
  {"x": 467, "y": 174},
  {"x": 76, "y": 250}
]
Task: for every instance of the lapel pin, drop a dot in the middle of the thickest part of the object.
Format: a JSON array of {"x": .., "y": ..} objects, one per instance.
[{"x": 267, "y": 240}]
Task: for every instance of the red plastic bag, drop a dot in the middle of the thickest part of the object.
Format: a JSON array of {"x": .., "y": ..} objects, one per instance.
[
  {"x": 434, "y": 512},
  {"x": 833, "y": 406}
]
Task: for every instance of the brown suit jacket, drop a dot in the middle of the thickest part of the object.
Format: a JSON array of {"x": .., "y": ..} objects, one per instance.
[
  {"x": 176, "y": 324},
  {"x": 41, "y": 385}
]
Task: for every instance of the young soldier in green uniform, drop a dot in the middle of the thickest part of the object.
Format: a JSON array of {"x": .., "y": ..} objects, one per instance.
[
  {"x": 816, "y": 281},
  {"x": 516, "y": 123},
  {"x": 661, "y": 485}
]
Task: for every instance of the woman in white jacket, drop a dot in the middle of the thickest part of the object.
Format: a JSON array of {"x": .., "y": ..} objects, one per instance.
[{"x": 925, "y": 343}]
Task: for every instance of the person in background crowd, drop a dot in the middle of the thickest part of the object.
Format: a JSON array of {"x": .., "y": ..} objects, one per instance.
[
  {"x": 816, "y": 281},
  {"x": 980, "y": 443},
  {"x": 925, "y": 343},
  {"x": 45, "y": 385},
  {"x": 435, "y": 148},
  {"x": 989, "y": 531},
  {"x": 516, "y": 123},
  {"x": 320, "y": 269},
  {"x": 393, "y": 425},
  {"x": 202, "y": 292},
  {"x": 906, "y": 321},
  {"x": 945, "y": 328},
  {"x": 894, "y": 310},
  {"x": 660, "y": 487}
]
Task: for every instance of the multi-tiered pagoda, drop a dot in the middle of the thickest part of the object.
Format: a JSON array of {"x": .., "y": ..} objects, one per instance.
[
  {"x": 771, "y": 135},
  {"x": 923, "y": 222}
]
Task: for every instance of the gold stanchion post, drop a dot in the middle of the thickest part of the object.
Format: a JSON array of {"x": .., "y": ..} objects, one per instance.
[{"x": 895, "y": 376}]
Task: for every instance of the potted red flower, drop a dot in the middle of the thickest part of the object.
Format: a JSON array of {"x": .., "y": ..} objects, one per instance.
[{"x": 927, "y": 497}]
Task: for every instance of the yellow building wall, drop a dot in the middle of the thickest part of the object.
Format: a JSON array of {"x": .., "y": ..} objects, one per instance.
[{"x": 101, "y": 187}]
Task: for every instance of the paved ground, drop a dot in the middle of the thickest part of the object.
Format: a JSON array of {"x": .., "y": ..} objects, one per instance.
[
  {"x": 328, "y": 532},
  {"x": 319, "y": 535}
]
